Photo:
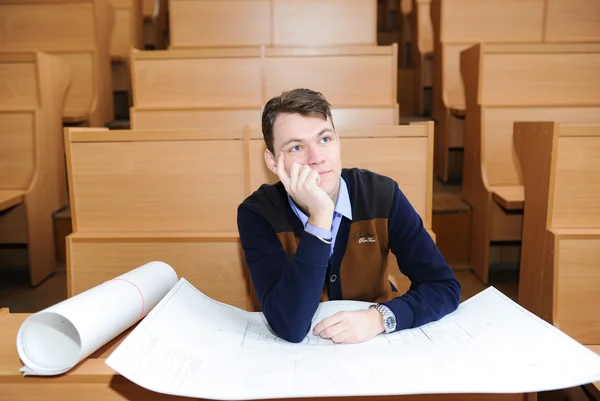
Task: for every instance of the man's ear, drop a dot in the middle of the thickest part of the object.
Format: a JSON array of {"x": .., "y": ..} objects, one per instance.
[{"x": 270, "y": 161}]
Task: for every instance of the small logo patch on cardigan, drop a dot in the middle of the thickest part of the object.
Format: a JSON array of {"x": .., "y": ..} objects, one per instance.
[{"x": 361, "y": 237}]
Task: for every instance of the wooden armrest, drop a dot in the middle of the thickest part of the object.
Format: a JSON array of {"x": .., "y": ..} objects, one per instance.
[
  {"x": 4, "y": 312},
  {"x": 458, "y": 111},
  {"x": 10, "y": 198},
  {"x": 75, "y": 117},
  {"x": 509, "y": 197}
]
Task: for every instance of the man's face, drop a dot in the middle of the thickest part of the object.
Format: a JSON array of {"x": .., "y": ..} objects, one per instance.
[{"x": 308, "y": 141}]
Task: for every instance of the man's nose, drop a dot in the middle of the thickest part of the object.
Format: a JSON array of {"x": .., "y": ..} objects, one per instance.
[{"x": 315, "y": 156}]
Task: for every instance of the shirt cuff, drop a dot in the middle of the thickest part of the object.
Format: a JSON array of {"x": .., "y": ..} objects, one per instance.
[{"x": 318, "y": 232}]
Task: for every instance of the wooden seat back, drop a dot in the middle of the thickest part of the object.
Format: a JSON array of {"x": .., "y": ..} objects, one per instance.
[
  {"x": 32, "y": 170},
  {"x": 138, "y": 196},
  {"x": 230, "y": 86},
  {"x": 561, "y": 234},
  {"x": 241, "y": 23},
  {"x": 80, "y": 32}
]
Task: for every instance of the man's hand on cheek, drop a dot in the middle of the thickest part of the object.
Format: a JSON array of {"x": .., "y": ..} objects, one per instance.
[
  {"x": 302, "y": 184},
  {"x": 350, "y": 327}
]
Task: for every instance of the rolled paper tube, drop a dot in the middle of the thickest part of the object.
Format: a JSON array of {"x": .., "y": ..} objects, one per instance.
[{"x": 54, "y": 340}]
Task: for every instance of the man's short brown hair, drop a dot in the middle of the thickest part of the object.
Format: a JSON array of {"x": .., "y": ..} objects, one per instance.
[{"x": 301, "y": 101}]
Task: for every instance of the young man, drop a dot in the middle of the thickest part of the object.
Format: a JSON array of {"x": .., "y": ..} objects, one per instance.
[{"x": 324, "y": 233}]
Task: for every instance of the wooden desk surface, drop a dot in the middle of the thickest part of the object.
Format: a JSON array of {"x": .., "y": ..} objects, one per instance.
[{"x": 93, "y": 380}]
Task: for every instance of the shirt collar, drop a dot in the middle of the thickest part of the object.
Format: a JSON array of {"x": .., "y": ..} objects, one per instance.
[{"x": 342, "y": 205}]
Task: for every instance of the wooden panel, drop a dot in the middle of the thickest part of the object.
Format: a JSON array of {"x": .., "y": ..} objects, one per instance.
[
  {"x": 215, "y": 267},
  {"x": 160, "y": 186},
  {"x": 18, "y": 85},
  {"x": 345, "y": 80},
  {"x": 202, "y": 23},
  {"x": 331, "y": 22},
  {"x": 533, "y": 79},
  {"x": 365, "y": 116},
  {"x": 201, "y": 82},
  {"x": 572, "y": 21},
  {"x": 17, "y": 149},
  {"x": 47, "y": 27},
  {"x": 491, "y": 20},
  {"x": 193, "y": 118},
  {"x": 80, "y": 98},
  {"x": 500, "y": 160},
  {"x": 576, "y": 197},
  {"x": 577, "y": 287}
]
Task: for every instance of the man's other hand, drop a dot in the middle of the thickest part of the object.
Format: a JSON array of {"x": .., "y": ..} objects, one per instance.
[{"x": 351, "y": 327}]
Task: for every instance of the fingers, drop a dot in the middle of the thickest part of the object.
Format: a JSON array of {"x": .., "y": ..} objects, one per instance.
[
  {"x": 302, "y": 176},
  {"x": 327, "y": 323},
  {"x": 285, "y": 179},
  {"x": 344, "y": 337},
  {"x": 294, "y": 172}
]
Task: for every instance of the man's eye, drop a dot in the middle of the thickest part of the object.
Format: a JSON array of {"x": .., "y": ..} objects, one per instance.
[
  {"x": 326, "y": 139},
  {"x": 295, "y": 148}
]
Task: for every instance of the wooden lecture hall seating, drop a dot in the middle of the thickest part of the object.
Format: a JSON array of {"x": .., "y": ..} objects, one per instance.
[
  {"x": 459, "y": 24},
  {"x": 559, "y": 277},
  {"x": 503, "y": 100},
  {"x": 32, "y": 169},
  {"x": 232, "y": 85},
  {"x": 507, "y": 83}
]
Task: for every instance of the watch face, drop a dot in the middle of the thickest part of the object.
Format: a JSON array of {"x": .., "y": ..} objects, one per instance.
[{"x": 389, "y": 322}]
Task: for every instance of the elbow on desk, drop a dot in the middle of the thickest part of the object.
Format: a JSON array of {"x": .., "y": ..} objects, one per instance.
[{"x": 288, "y": 332}]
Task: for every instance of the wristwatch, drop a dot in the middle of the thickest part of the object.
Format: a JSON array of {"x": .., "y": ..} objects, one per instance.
[{"x": 389, "y": 319}]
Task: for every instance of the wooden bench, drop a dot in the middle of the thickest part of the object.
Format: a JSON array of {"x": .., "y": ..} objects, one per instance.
[
  {"x": 559, "y": 277},
  {"x": 459, "y": 24},
  {"x": 99, "y": 382},
  {"x": 504, "y": 84},
  {"x": 232, "y": 85},
  {"x": 32, "y": 170},
  {"x": 138, "y": 196},
  {"x": 241, "y": 23},
  {"x": 80, "y": 32}
]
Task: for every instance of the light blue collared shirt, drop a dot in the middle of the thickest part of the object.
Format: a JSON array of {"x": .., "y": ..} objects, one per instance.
[{"x": 342, "y": 208}]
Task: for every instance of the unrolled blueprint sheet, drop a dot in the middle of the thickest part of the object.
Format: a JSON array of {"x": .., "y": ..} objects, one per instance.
[{"x": 191, "y": 345}]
